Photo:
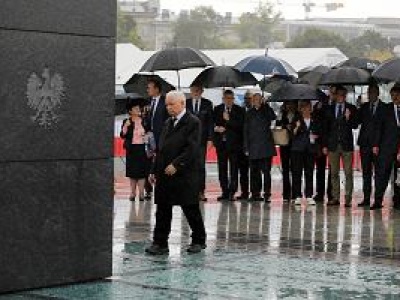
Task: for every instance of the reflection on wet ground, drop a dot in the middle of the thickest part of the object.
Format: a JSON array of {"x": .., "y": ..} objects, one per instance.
[{"x": 255, "y": 251}]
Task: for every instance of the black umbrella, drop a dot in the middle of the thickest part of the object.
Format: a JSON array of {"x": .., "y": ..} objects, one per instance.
[
  {"x": 138, "y": 84},
  {"x": 175, "y": 59},
  {"x": 313, "y": 75},
  {"x": 265, "y": 65},
  {"x": 360, "y": 63},
  {"x": 224, "y": 76},
  {"x": 273, "y": 83},
  {"x": 346, "y": 76},
  {"x": 388, "y": 71},
  {"x": 295, "y": 91}
]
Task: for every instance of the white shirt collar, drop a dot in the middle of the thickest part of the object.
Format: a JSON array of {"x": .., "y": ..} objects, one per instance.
[{"x": 179, "y": 117}]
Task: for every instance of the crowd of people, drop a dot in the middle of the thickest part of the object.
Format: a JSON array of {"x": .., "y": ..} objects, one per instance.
[{"x": 319, "y": 138}]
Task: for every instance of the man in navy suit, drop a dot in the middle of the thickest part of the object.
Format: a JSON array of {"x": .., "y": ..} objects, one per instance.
[
  {"x": 386, "y": 147},
  {"x": 202, "y": 108}
]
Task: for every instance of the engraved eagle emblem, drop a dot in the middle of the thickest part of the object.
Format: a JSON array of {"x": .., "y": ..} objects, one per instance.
[{"x": 45, "y": 95}]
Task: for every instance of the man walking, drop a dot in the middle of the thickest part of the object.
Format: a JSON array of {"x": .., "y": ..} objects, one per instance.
[{"x": 175, "y": 175}]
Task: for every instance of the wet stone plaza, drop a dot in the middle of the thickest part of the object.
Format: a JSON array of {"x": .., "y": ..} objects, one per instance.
[{"x": 255, "y": 251}]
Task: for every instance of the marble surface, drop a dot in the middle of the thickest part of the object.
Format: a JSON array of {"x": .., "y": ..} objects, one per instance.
[
  {"x": 75, "y": 120},
  {"x": 85, "y": 17},
  {"x": 55, "y": 222},
  {"x": 255, "y": 251}
]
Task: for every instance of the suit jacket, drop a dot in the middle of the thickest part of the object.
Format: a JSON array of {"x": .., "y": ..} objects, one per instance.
[
  {"x": 339, "y": 130},
  {"x": 258, "y": 139},
  {"x": 387, "y": 133},
  {"x": 129, "y": 134},
  {"x": 301, "y": 139},
  {"x": 178, "y": 146},
  {"x": 234, "y": 128},
  {"x": 155, "y": 122},
  {"x": 205, "y": 116},
  {"x": 368, "y": 121}
]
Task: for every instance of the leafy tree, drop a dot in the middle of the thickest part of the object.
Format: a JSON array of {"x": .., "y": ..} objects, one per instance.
[
  {"x": 200, "y": 29},
  {"x": 127, "y": 30},
  {"x": 368, "y": 42},
  {"x": 318, "y": 38},
  {"x": 256, "y": 29}
]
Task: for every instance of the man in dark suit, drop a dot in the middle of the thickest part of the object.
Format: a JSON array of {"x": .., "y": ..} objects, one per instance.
[
  {"x": 366, "y": 117},
  {"x": 228, "y": 140},
  {"x": 338, "y": 143},
  {"x": 175, "y": 174},
  {"x": 386, "y": 147},
  {"x": 155, "y": 116},
  {"x": 203, "y": 109}
]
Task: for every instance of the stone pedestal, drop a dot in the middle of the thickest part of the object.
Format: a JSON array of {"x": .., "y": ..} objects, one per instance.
[{"x": 56, "y": 138}]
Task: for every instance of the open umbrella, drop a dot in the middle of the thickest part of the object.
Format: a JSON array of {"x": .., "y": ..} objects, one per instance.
[
  {"x": 313, "y": 75},
  {"x": 224, "y": 76},
  {"x": 138, "y": 84},
  {"x": 273, "y": 83},
  {"x": 388, "y": 71},
  {"x": 265, "y": 65},
  {"x": 295, "y": 91},
  {"x": 346, "y": 76},
  {"x": 360, "y": 63},
  {"x": 175, "y": 59}
]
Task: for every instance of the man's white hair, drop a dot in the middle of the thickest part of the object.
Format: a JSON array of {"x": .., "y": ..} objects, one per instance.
[{"x": 176, "y": 96}]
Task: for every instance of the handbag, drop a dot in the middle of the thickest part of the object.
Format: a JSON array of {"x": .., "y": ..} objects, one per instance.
[{"x": 280, "y": 136}]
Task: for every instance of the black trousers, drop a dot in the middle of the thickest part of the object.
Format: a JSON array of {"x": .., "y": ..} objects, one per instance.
[
  {"x": 303, "y": 162},
  {"x": 259, "y": 167},
  {"x": 285, "y": 152},
  {"x": 386, "y": 164},
  {"x": 368, "y": 165},
  {"x": 164, "y": 219},
  {"x": 244, "y": 166},
  {"x": 202, "y": 168},
  {"x": 228, "y": 161},
  {"x": 321, "y": 162}
]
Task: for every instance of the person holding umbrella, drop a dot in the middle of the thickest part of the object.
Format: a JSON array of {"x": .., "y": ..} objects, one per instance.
[
  {"x": 259, "y": 146},
  {"x": 138, "y": 146},
  {"x": 338, "y": 143},
  {"x": 228, "y": 140},
  {"x": 305, "y": 132},
  {"x": 203, "y": 109}
]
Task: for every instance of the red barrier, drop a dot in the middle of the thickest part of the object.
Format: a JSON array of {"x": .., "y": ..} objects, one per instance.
[{"x": 119, "y": 151}]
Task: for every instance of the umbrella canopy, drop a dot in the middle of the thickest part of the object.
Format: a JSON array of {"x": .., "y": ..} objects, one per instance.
[
  {"x": 273, "y": 83},
  {"x": 346, "y": 76},
  {"x": 294, "y": 91},
  {"x": 360, "y": 63},
  {"x": 388, "y": 71},
  {"x": 224, "y": 76},
  {"x": 265, "y": 65},
  {"x": 313, "y": 75},
  {"x": 175, "y": 59},
  {"x": 138, "y": 84}
]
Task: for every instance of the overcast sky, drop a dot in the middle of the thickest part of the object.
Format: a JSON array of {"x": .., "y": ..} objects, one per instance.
[{"x": 293, "y": 9}]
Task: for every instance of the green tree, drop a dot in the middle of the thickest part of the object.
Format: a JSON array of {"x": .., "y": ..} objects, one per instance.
[
  {"x": 200, "y": 29},
  {"x": 369, "y": 42},
  {"x": 256, "y": 29},
  {"x": 127, "y": 30},
  {"x": 318, "y": 38}
]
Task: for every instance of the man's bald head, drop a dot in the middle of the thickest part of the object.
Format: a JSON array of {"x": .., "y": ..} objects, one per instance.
[{"x": 176, "y": 102}]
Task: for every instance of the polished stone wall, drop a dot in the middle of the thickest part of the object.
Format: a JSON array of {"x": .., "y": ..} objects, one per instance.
[{"x": 56, "y": 137}]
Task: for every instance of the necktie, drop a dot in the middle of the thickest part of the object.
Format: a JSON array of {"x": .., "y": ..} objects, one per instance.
[
  {"x": 196, "y": 107},
  {"x": 339, "y": 111},
  {"x": 373, "y": 106},
  {"x": 152, "y": 111}
]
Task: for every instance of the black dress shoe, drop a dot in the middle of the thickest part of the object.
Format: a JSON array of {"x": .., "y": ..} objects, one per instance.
[
  {"x": 196, "y": 248},
  {"x": 376, "y": 206},
  {"x": 333, "y": 203},
  {"x": 202, "y": 197},
  {"x": 243, "y": 196},
  {"x": 132, "y": 199},
  {"x": 148, "y": 196},
  {"x": 256, "y": 197},
  {"x": 364, "y": 204},
  {"x": 223, "y": 197},
  {"x": 155, "y": 249},
  {"x": 141, "y": 199},
  {"x": 348, "y": 205}
]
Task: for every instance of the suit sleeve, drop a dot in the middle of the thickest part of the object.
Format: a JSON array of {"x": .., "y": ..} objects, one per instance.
[
  {"x": 379, "y": 122},
  {"x": 245, "y": 133},
  {"x": 122, "y": 134},
  {"x": 210, "y": 122},
  {"x": 191, "y": 147}
]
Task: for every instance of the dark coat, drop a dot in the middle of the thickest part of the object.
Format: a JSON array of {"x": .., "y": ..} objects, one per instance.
[
  {"x": 387, "y": 134},
  {"x": 155, "y": 124},
  {"x": 129, "y": 134},
  {"x": 178, "y": 146},
  {"x": 368, "y": 124},
  {"x": 301, "y": 139},
  {"x": 339, "y": 129},
  {"x": 206, "y": 118},
  {"x": 234, "y": 128},
  {"x": 258, "y": 139}
]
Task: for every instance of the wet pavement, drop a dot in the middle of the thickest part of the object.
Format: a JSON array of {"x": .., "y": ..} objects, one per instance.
[{"x": 255, "y": 251}]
